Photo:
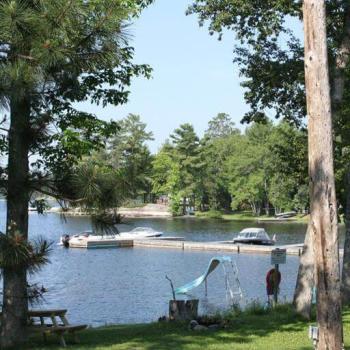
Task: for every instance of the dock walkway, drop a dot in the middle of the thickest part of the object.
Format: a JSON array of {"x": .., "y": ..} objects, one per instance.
[
  {"x": 180, "y": 243},
  {"x": 224, "y": 246}
]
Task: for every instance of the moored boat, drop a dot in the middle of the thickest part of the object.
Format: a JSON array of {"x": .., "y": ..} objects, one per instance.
[
  {"x": 254, "y": 235},
  {"x": 88, "y": 239}
]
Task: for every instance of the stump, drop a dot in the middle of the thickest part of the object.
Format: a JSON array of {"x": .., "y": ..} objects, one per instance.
[{"x": 183, "y": 310}]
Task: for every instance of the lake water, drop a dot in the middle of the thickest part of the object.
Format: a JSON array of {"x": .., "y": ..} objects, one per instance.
[{"x": 128, "y": 285}]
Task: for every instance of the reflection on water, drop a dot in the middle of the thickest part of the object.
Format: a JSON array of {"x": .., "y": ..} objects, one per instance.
[{"x": 128, "y": 285}]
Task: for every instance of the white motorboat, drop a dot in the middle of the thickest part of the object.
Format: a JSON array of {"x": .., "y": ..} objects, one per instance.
[
  {"x": 254, "y": 236},
  {"x": 141, "y": 232},
  {"x": 88, "y": 239}
]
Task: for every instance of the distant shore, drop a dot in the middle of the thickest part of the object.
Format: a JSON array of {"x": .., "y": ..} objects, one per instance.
[
  {"x": 163, "y": 211},
  {"x": 147, "y": 211},
  {"x": 248, "y": 216}
]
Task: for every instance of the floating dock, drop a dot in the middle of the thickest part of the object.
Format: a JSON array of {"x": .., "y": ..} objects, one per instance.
[
  {"x": 114, "y": 243},
  {"x": 180, "y": 243},
  {"x": 224, "y": 246},
  {"x": 122, "y": 243}
]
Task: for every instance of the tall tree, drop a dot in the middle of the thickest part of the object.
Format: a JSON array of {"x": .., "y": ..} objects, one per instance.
[
  {"x": 249, "y": 169},
  {"x": 287, "y": 154},
  {"x": 166, "y": 176},
  {"x": 217, "y": 145},
  {"x": 130, "y": 153},
  {"x": 54, "y": 54},
  {"x": 221, "y": 126},
  {"x": 323, "y": 220},
  {"x": 187, "y": 155}
]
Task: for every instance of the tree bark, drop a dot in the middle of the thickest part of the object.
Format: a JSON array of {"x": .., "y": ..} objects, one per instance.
[
  {"x": 323, "y": 219},
  {"x": 305, "y": 281},
  {"x": 345, "y": 285},
  {"x": 15, "y": 302},
  {"x": 342, "y": 61}
]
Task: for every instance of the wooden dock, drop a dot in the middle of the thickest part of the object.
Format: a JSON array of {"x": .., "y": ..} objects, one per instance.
[
  {"x": 180, "y": 243},
  {"x": 122, "y": 243},
  {"x": 225, "y": 246}
]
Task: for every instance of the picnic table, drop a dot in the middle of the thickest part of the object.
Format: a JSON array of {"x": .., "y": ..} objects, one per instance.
[{"x": 58, "y": 324}]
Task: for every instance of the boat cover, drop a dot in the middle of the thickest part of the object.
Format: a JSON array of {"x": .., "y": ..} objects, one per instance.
[{"x": 213, "y": 264}]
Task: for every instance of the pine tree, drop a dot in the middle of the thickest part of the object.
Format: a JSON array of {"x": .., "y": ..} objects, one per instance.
[{"x": 54, "y": 54}]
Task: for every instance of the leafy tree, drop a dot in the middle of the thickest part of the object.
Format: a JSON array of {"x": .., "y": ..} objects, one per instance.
[
  {"x": 187, "y": 155},
  {"x": 281, "y": 193},
  {"x": 221, "y": 126},
  {"x": 53, "y": 55},
  {"x": 216, "y": 146},
  {"x": 130, "y": 153},
  {"x": 165, "y": 171},
  {"x": 288, "y": 159},
  {"x": 249, "y": 169}
]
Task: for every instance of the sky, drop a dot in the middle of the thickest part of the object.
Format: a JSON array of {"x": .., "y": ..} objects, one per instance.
[{"x": 193, "y": 76}]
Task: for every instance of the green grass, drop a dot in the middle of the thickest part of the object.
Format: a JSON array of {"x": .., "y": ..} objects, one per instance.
[
  {"x": 277, "y": 330},
  {"x": 247, "y": 216},
  {"x": 210, "y": 214}
]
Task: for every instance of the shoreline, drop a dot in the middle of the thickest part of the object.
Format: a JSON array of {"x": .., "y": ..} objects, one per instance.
[
  {"x": 143, "y": 212},
  {"x": 247, "y": 216},
  {"x": 147, "y": 211}
]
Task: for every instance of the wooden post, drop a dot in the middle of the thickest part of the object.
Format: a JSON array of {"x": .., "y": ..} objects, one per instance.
[
  {"x": 275, "y": 285},
  {"x": 182, "y": 310},
  {"x": 323, "y": 218},
  {"x": 42, "y": 322}
]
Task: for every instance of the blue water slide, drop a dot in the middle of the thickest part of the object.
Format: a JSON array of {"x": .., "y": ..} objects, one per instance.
[{"x": 213, "y": 264}]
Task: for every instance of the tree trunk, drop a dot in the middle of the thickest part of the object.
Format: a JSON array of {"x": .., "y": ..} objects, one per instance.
[
  {"x": 258, "y": 209},
  {"x": 305, "y": 281},
  {"x": 345, "y": 286},
  {"x": 342, "y": 61},
  {"x": 252, "y": 205},
  {"x": 15, "y": 302},
  {"x": 323, "y": 220},
  {"x": 183, "y": 310}
]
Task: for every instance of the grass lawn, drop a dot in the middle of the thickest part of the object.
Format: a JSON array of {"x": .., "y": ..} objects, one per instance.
[
  {"x": 247, "y": 216},
  {"x": 276, "y": 330}
]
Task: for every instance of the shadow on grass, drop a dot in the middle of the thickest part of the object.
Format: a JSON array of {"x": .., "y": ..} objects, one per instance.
[{"x": 246, "y": 329}]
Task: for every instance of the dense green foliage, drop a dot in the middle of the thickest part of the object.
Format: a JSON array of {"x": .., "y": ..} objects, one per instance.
[
  {"x": 264, "y": 168},
  {"x": 269, "y": 54},
  {"x": 130, "y": 154},
  {"x": 55, "y": 54},
  {"x": 123, "y": 167}
]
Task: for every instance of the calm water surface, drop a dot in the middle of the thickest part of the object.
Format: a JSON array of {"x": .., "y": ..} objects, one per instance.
[{"x": 128, "y": 285}]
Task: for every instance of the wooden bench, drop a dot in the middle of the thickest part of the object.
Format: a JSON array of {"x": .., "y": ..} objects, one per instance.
[{"x": 56, "y": 327}]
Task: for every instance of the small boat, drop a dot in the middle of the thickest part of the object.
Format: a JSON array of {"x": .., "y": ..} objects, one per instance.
[
  {"x": 140, "y": 232},
  {"x": 254, "y": 236},
  {"x": 88, "y": 239},
  {"x": 286, "y": 215}
]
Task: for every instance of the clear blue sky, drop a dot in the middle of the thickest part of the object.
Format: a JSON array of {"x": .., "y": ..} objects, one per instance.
[{"x": 193, "y": 74}]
